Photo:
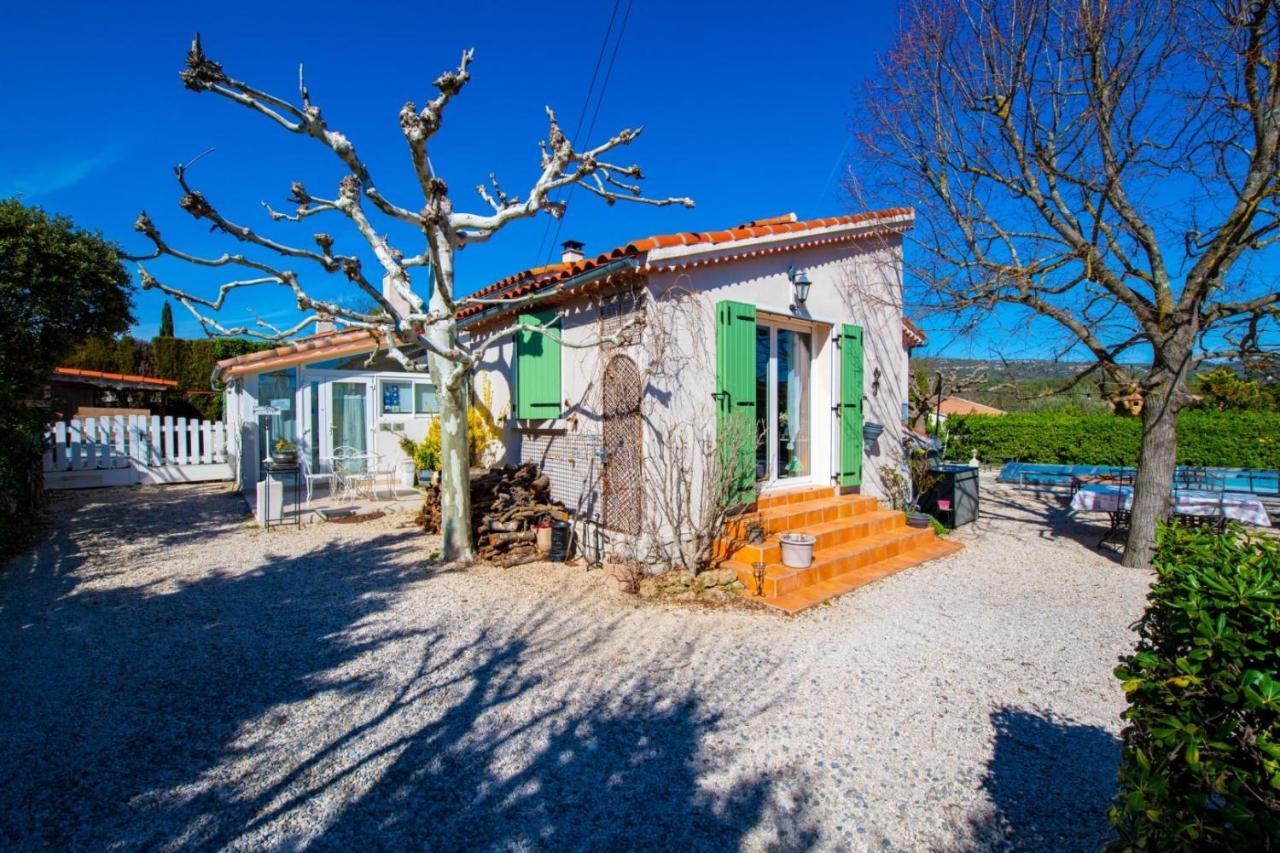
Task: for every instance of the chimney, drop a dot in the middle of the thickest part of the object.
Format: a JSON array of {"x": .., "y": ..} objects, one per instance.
[
  {"x": 389, "y": 293},
  {"x": 572, "y": 251},
  {"x": 325, "y": 326}
]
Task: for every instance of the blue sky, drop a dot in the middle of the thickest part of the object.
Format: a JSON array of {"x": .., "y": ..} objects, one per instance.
[{"x": 745, "y": 109}]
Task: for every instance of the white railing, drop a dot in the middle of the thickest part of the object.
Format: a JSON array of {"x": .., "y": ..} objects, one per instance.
[{"x": 121, "y": 450}]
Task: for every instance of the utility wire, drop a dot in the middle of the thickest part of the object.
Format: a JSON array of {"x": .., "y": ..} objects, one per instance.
[
  {"x": 586, "y": 102},
  {"x": 622, "y": 29}
]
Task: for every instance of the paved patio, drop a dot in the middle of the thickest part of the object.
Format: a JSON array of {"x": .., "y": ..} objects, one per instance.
[
  {"x": 175, "y": 676},
  {"x": 325, "y": 505}
]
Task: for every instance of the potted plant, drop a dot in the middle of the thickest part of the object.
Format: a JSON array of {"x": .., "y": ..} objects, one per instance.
[
  {"x": 284, "y": 452},
  {"x": 923, "y": 476},
  {"x": 426, "y": 457}
]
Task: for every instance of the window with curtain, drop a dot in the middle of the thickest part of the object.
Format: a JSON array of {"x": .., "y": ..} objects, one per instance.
[{"x": 278, "y": 389}]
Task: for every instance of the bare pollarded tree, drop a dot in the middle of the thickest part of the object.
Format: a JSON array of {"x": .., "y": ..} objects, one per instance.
[
  {"x": 1112, "y": 166},
  {"x": 403, "y": 319}
]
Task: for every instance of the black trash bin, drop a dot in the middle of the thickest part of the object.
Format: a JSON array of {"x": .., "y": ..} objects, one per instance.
[
  {"x": 561, "y": 541},
  {"x": 957, "y": 484}
]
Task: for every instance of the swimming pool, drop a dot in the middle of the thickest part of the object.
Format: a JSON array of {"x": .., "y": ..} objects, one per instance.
[{"x": 1250, "y": 480}]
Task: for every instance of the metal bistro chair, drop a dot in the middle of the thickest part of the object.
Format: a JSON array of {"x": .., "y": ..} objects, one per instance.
[
  {"x": 1121, "y": 518},
  {"x": 348, "y": 466},
  {"x": 1200, "y": 480},
  {"x": 380, "y": 467},
  {"x": 310, "y": 477}
]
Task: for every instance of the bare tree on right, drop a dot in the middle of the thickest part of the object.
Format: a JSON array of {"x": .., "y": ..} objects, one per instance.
[{"x": 1109, "y": 166}]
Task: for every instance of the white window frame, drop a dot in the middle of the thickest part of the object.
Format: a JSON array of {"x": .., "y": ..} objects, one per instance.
[{"x": 413, "y": 413}]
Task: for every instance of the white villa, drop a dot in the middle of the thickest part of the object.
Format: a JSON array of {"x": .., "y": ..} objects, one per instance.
[{"x": 795, "y": 326}]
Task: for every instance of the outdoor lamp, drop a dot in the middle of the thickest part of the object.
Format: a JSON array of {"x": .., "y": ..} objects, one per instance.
[{"x": 799, "y": 284}]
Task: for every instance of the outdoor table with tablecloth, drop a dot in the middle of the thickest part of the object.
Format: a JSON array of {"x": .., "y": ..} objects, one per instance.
[{"x": 1103, "y": 497}]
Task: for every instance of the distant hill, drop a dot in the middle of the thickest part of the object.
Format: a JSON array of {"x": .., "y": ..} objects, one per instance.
[{"x": 1019, "y": 384}]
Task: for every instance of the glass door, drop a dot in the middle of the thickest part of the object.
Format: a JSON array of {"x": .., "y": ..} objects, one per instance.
[
  {"x": 347, "y": 419},
  {"x": 783, "y": 357}
]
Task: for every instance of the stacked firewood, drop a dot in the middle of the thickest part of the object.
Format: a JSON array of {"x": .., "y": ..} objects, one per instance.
[{"x": 507, "y": 503}]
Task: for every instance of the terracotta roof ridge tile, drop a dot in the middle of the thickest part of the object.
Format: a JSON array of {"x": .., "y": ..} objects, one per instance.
[{"x": 102, "y": 374}]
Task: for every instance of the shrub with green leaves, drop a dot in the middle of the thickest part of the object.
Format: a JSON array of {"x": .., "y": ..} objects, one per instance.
[
  {"x": 1200, "y": 763},
  {"x": 1227, "y": 439},
  {"x": 58, "y": 283}
]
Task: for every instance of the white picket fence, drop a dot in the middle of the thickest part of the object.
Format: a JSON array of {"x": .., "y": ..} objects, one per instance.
[{"x": 127, "y": 450}]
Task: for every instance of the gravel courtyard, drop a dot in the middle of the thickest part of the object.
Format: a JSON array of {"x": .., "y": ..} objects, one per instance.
[{"x": 172, "y": 676}]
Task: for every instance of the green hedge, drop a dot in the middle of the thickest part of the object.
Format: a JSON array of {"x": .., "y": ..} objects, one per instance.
[
  {"x": 1205, "y": 437},
  {"x": 1200, "y": 756}
]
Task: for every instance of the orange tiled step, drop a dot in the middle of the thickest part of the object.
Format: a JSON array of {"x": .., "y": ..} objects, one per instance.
[
  {"x": 834, "y": 560},
  {"x": 826, "y": 534},
  {"x": 790, "y": 516},
  {"x": 781, "y": 497},
  {"x": 780, "y": 519},
  {"x": 814, "y": 594}
]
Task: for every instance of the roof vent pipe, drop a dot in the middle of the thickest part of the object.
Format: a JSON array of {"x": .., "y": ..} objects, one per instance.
[{"x": 571, "y": 251}]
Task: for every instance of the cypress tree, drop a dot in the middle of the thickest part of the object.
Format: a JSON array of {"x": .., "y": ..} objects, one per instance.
[{"x": 166, "y": 320}]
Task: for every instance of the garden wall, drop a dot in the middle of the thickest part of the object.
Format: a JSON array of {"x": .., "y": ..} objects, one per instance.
[{"x": 1205, "y": 437}]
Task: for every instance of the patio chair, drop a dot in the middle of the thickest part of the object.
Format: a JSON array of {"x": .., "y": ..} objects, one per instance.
[
  {"x": 377, "y": 467},
  {"x": 1121, "y": 519},
  {"x": 1200, "y": 480},
  {"x": 348, "y": 466},
  {"x": 311, "y": 477},
  {"x": 1118, "y": 528}
]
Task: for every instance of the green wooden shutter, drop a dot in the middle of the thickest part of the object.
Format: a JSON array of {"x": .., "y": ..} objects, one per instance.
[
  {"x": 736, "y": 395},
  {"x": 538, "y": 368},
  {"x": 850, "y": 405}
]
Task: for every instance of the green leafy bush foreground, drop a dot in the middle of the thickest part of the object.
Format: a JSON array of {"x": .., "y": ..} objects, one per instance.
[
  {"x": 1226, "y": 439},
  {"x": 1200, "y": 762}
]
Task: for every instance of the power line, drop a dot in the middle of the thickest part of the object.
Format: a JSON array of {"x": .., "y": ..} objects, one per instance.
[
  {"x": 582, "y": 114},
  {"x": 622, "y": 29}
]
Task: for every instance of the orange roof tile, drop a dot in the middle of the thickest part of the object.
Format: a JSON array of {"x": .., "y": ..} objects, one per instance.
[
  {"x": 325, "y": 343},
  {"x": 77, "y": 373},
  {"x": 538, "y": 278},
  {"x": 541, "y": 277},
  {"x": 960, "y": 406}
]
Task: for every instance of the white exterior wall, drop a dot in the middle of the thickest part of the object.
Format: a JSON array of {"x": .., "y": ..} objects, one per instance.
[{"x": 858, "y": 283}]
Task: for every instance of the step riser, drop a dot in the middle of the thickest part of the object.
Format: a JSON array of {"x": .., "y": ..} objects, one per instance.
[
  {"x": 781, "y": 522},
  {"x": 771, "y": 551},
  {"x": 767, "y": 501},
  {"x": 796, "y": 600},
  {"x": 827, "y": 569},
  {"x": 804, "y": 518}
]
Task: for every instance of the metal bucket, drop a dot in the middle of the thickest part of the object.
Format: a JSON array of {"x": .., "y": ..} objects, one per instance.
[{"x": 797, "y": 550}]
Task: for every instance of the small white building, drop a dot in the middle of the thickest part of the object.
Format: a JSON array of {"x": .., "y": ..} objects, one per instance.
[{"x": 321, "y": 393}]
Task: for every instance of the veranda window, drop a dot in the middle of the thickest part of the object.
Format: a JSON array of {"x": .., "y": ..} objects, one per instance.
[
  {"x": 405, "y": 397},
  {"x": 278, "y": 390}
]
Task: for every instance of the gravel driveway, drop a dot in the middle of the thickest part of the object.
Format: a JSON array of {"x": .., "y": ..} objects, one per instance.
[{"x": 173, "y": 677}]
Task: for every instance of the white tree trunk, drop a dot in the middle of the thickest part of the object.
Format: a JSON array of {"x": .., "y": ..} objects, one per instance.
[{"x": 454, "y": 395}]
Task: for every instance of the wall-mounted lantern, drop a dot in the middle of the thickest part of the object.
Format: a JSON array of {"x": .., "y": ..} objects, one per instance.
[{"x": 799, "y": 286}]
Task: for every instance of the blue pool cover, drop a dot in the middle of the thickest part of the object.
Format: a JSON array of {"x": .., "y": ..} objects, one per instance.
[{"x": 1250, "y": 480}]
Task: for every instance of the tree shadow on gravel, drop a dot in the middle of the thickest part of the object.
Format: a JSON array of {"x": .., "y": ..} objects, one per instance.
[
  {"x": 1050, "y": 782},
  {"x": 301, "y": 702},
  {"x": 1049, "y": 512}
]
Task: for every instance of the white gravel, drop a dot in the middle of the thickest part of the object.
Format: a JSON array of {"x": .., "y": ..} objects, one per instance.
[{"x": 170, "y": 676}]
